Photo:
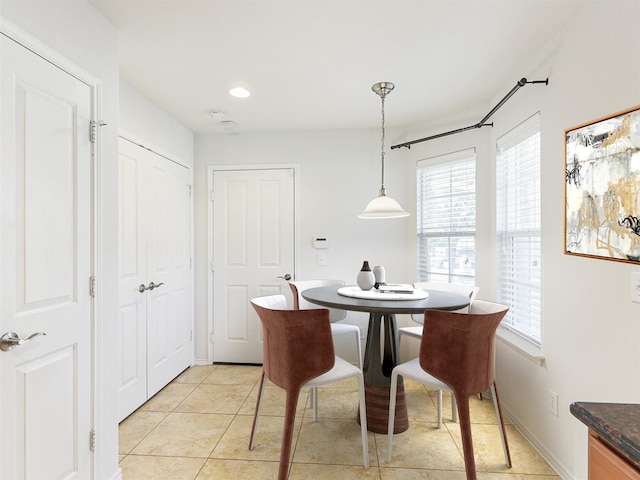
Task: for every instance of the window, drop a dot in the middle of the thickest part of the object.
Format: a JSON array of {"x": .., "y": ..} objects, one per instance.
[
  {"x": 518, "y": 228},
  {"x": 446, "y": 196}
]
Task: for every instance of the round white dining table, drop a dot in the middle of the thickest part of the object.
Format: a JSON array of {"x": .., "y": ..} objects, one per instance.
[{"x": 380, "y": 360}]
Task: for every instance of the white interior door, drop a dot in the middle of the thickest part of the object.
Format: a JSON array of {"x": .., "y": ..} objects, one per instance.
[
  {"x": 155, "y": 324},
  {"x": 169, "y": 306},
  {"x": 132, "y": 272},
  {"x": 253, "y": 232},
  {"x": 46, "y": 265}
]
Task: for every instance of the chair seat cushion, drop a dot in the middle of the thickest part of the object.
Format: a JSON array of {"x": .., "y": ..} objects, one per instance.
[
  {"x": 415, "y": 332},
  {"x": 341, "y": 371},
  {"x": 414, "y": 371}
]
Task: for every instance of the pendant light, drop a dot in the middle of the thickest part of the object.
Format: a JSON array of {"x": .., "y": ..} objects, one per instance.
[{"x": 383, "y": 206}]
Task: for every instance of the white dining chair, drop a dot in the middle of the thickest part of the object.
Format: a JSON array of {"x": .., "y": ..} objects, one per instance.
[
  {"x": 298, "y": 353},
  {"x": 335, "y": 315},
  {"x": 467, "y": 290},
  {"x": 465, "y": 366}
]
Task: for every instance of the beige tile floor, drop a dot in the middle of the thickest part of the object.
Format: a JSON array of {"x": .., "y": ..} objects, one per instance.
[{"x": 198, "y": 427}]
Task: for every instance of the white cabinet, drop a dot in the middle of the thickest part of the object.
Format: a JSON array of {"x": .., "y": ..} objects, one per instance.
[{"x": 155, "y": 315}]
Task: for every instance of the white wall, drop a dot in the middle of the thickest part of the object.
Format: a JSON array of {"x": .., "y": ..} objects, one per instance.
[
  {"x": 591, "y": 329},
  {"x": 74, "y": 29},
  {"x": 147, "y": 124},
  {"x": 339, "y": 173}
]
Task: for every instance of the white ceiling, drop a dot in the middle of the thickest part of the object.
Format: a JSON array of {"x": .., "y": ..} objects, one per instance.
[{"x": 310, "y": 64}]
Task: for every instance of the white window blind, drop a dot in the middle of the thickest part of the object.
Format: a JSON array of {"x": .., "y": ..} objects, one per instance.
[
  {"x": 518, "y": 228},
  {"x": 446, "y": 217}
]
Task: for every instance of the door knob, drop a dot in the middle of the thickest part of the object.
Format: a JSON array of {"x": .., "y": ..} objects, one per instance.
[
  {"x": 142, "y": 288},
  {"x": 286, "y": 277},
  {"x": 11, "y": 340},
  {"x": 153, "y": 285}
]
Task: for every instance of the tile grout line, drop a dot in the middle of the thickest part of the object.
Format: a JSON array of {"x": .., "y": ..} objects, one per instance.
[{"x": 382, "y": 472}]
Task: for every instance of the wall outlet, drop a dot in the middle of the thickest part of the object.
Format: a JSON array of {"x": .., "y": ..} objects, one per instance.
[
  {"x": 635, "y": 287},
  {"x": 553, "y": 403}
]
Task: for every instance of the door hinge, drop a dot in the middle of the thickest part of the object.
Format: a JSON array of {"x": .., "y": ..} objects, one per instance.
[
  {"x": 212, "y": 196},
  {"x": 92, "y": 286},
  {"x": 92, "y": 440},
  {"x": 212, "y": 338},
  {"x": 212, "y": 269},
  {"x": 191, "y": 335},
  {"x": 93, "y": 129},
  {"x": 190, "y": 187}
]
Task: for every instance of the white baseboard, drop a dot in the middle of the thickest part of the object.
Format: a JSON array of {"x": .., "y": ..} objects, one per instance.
[{"x": 539, "y": 447}]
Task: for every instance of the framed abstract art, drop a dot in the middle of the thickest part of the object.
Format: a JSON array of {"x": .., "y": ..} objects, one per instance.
[{"x": 602, "y": 188}]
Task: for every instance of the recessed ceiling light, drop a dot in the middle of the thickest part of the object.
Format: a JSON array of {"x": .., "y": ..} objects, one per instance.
[{"x": 239, "y": 92}]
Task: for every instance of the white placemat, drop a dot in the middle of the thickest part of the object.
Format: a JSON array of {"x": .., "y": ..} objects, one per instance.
[{"x": 373, "y": 294}]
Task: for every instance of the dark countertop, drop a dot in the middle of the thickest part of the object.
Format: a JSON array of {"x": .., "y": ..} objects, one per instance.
[{"x": 618, "y": 424}]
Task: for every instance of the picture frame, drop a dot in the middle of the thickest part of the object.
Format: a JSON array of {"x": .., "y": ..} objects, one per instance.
[{"x": 602, "y": 188}]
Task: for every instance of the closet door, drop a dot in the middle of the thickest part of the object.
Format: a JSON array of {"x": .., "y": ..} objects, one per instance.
[
  {"x": 169, "y": 311},
  {"x": 155, "y": 321}
]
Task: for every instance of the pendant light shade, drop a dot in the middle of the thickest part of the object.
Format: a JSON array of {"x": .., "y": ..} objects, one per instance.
[{"x": 383, "y": 206}]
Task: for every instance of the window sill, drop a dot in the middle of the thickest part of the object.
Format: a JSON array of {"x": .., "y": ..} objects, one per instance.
[{"x": 520, "y": 345}]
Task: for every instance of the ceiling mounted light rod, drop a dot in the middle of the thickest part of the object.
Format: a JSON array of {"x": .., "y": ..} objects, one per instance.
[
  {"x": 482, "y": 123},
  {"x": 383, "y": 206},
  {"x": 382, "y": 89}
]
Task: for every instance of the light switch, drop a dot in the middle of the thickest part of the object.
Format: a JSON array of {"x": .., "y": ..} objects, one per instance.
[
  {"x": 635, "y": 287},
  {"x": 322, "y": 259}
]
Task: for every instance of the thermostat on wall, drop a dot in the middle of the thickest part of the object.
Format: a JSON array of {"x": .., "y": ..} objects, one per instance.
[{"x": 320, "y": 242}]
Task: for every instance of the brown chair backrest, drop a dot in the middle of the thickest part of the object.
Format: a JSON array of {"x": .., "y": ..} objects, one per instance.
[
  {"x": 299, "y": 286},
  {"x": 459, "y": 348},
  {"x": 297, "y": 344}
]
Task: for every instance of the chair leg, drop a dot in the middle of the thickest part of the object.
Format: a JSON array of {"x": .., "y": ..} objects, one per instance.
[
  {"x": 454, "y": 408},
  {"x": 440, "y": 408},
  {"x": 358, "y": 348},
  {"x": 503, "y": 431},
  {"x": 392, "y": 413},
  {"x": 287, "y": 434},
  {"x": 256, "y": 414},
  {"x": 467, "y": 441},
  {"x": 314, "y": 402},
  {"x": 363, "y": 423}
]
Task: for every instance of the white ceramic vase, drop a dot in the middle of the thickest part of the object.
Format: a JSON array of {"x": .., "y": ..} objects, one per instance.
[
  {"x": 365, "y": 279},
  {"x": 379, "y": 274}
]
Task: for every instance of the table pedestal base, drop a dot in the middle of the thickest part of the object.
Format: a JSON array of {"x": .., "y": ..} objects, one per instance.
[{"x": 378, "y": 409}]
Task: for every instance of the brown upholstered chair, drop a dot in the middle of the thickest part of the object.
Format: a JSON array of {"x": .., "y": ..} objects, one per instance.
[
  {"x": 335, "y": 315},
  {"x": 467, "y": 290},
  {"x": 298, "y": 353},
  {"x": 457, "y": 354}
]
